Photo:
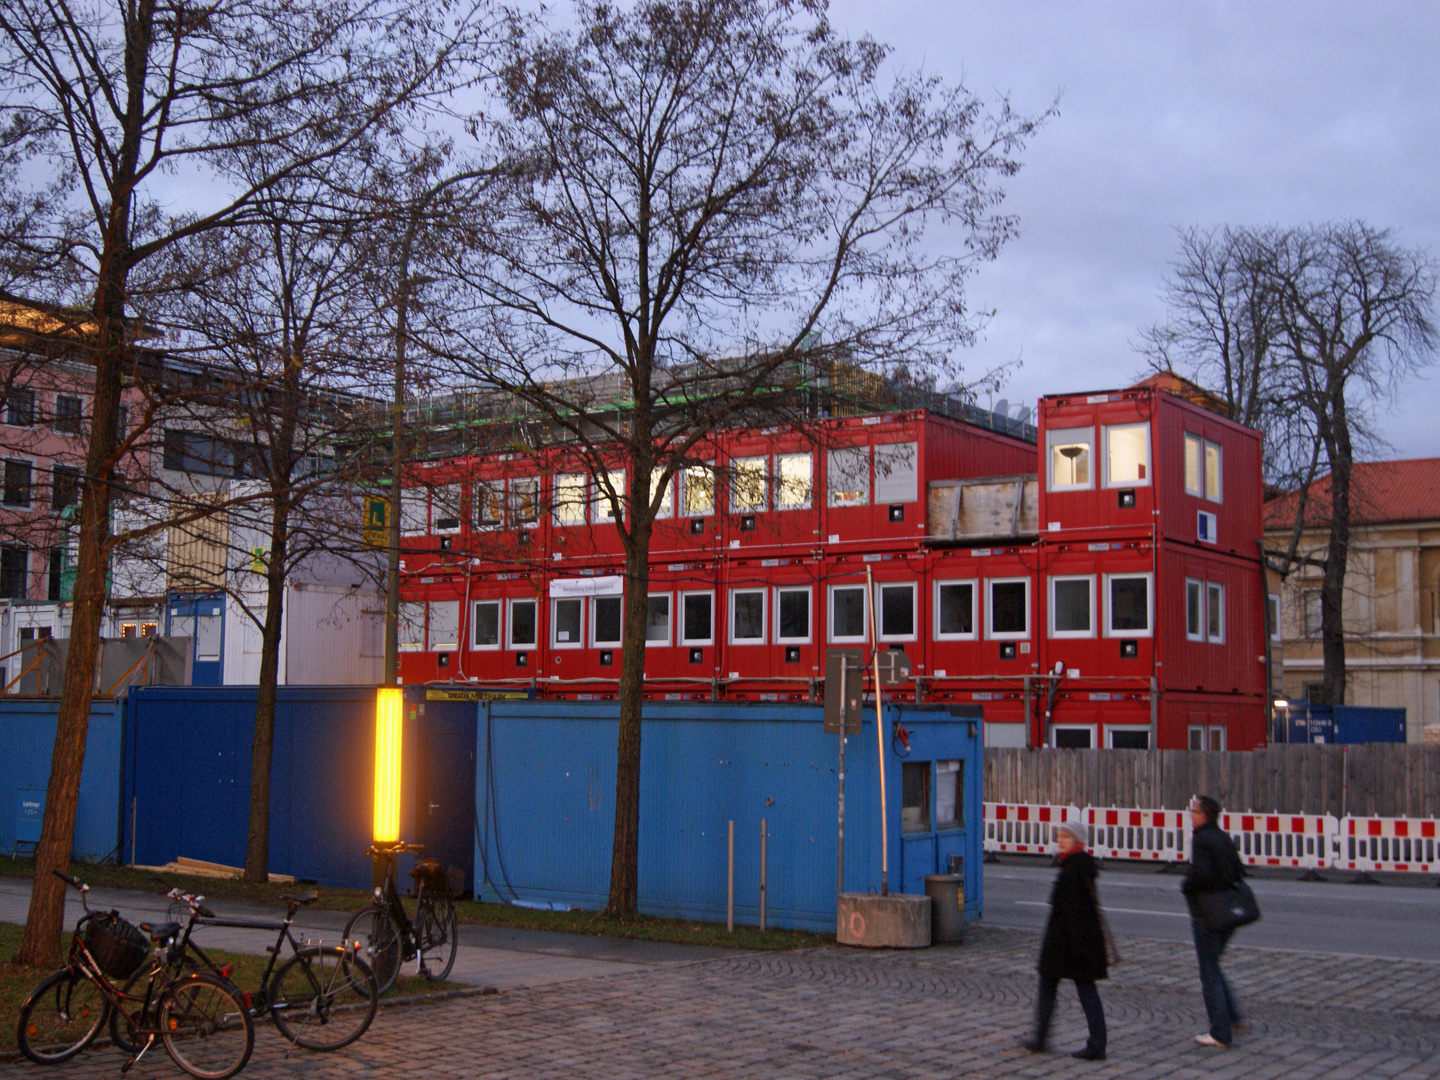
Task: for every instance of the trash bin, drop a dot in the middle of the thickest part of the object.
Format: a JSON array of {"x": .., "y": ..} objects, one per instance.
[{"x": 947, "y": 896}]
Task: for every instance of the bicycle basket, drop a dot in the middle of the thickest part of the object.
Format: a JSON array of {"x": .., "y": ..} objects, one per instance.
[
  {"x": 430, "y": 874},
  {"x": 118, "y": 947}
]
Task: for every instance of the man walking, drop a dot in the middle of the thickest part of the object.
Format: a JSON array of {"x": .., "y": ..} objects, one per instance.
[{"x": 1214, "y": 866}]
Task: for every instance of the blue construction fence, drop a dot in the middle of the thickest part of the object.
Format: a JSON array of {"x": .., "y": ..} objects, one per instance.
[{"x": 1344, "y": 724}]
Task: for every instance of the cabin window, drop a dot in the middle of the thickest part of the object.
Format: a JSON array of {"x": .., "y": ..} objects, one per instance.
[
  {"x": 794, "y": 478},
  {"x": 747, "y": 484},
  {"x": 657, "y": 619},
  {"x": 955, "y": 609},
  {"x": 1070, "y": 462},
  {"x": 1127, "y": 455},
  {"x": 1129, "y": 603},
  {"x": 1072, "y": 604},
  {"x": 1009, "y": 608},
  {"x": 485, "y": 624},
  {"x": 697, "y": 618},
  {"x": 849, "y": 476},
  {"x": 897, "y": 473},
  {"x": 792, "y": 621},
  {"x": 569, "y": 497},
  {"x": 522, "y": 624},
  {"x": 747, "y": 616}
]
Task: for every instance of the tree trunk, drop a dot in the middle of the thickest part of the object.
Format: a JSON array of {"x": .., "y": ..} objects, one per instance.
[
  {"x": 625, "y": 853},
  {"x": 257, "y": 847},
  {"x": 1337, "y": 556}
]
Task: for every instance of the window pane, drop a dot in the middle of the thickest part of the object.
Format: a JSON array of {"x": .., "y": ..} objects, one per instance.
[
  {"x": 412, "y": 625},
  {"x": 607, "y": 620},
  {"x": 486, "y": 624},
  {"x": 567, "y": 621},
  {"x": 657, "y": 618},
  {"x": 896, "y": 473},
  {"x": 445, "y": 508},
  {"x": 1072, "y": 738},
  {"x": 1212, "y": 471},
  {"x": 1070, "y": 457},
  {"x": 699, "y": 490},
  {"x": 748, "y": 617},
  {"x": 1193, "y": 606},
  {"x": 522, "y": 622},
  {"x": 1130, "y": 740},
  {"x": 1129, "y": 454},
  {"x": 794, "y": 475},
  {"x": 1192, "y": 465},
  {"x": 1072, "y": 606},
  {"x": 850, "y": 476},
  {"x": 667, "y": 502},
  {"x": 794, "y": 614},
  {"x": 1129, "y": 603},
  {"x": 1272, "y": 615},
  {"x": 849, "y": 615},
  {"x": 488, "y": 497},
  {"x": 1313, "y": 619},
  {"x": 1197, "y": 738},
  {"x": 444, "y": 624},
  {"x": 696, "y": 614},
  {"x": 1007, "y": 608},
  {"x": 1215, "y": 608},
  {"x": 749, "y": 484},
  {"x": 604, "y": 508},
  {"x": 915, "y": 796},
  {"x": 897, "y": 610},
  {"x": 414, "y": 504},
  {"x": 957, "y": 609},
  {"x": 949, "y": 794},
  {"x": 569, "y": 500},
  {"x": 524, "y": 501}
]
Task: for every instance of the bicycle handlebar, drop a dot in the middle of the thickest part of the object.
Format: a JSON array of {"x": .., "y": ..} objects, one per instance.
[
  {"x": 194, "y": 902},
  {"x": 75, "y": 883},
  {"x": 401, "y": 848}
]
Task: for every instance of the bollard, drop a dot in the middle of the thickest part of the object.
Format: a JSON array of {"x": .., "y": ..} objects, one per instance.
[
  {"x": 730, "y": 883},
  {"x": 764, "y": 836}
]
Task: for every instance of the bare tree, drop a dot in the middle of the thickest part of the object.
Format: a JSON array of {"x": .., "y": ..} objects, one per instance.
[
  {"x": 119, "y": 105},
  {"x": 720, "y": 187},
  {"x": 1305, "y": 333}
]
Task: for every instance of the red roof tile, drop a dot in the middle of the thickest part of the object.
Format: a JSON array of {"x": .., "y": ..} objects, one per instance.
[{"x": 1381, "y": 491}]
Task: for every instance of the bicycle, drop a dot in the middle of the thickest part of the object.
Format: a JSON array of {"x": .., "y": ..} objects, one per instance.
[
  {"x": 199, "y": 1018},
  {"x": 391, "y": 936},
  {"x": 321, "y": 998}
]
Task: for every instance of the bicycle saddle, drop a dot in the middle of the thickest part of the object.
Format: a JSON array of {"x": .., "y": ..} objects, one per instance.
[
  {"x": 303, "y": 898},
  {"x": 426, "y": 867},
  {"x": 161, "y": 931}
]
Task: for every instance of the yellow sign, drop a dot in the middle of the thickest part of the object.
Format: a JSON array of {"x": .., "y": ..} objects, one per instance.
[
  {"x": 375, "y": 531},
  {"x": 476, "y": 695},
  {"x": 257, "y": 560}
]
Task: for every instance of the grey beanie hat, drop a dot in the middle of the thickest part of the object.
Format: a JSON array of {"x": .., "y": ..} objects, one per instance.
[{"x": 1076, "y": 828}]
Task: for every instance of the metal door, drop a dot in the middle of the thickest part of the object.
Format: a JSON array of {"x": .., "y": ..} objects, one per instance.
[
  {"x": 449, "y": 806},
  {"x": 917, "y": 825},
  {"x": 202, "y": 619}
]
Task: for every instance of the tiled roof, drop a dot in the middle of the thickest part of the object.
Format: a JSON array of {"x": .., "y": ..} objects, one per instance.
[
  {"x": 1381, "y": 491},
  {"x": 1182, "y": 387}
]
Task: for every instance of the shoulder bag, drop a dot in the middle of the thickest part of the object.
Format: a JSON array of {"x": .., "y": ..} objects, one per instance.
[{"x": 1225, "y": 909}]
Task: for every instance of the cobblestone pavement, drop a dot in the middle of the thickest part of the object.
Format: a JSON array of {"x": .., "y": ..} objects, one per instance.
[{"x": 945, "y": 1012}]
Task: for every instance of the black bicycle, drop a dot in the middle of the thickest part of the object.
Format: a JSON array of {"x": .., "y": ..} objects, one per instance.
[
  {"x": 201, "y": 1019},
  {"x": 322, "y": 998},
  {"x": 392, "y": 936}
]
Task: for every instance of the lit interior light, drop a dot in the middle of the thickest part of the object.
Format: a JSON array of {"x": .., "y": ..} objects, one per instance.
[{"x": 389, "y": 727}]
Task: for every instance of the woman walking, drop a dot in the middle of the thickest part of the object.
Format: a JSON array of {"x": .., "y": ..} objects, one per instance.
[
  {"x": 1074, "y": 945},
  {"x": 1214, "y": 866}
]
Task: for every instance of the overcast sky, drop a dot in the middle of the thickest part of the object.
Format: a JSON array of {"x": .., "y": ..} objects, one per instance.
[{"x": 1179, "y": 113}]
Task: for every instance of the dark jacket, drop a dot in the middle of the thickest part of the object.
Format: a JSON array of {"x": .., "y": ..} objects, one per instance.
[
  {"x": 1074, "y": 945},
  {"x": 1214, "y": 864}
]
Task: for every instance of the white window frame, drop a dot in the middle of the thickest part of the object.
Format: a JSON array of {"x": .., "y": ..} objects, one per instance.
[
  {"x": 900, "y": 452},
  {"x": 602, "y": 499},
  {"x": 782, "y": 486},
  {"x": 1211, "y": 588},
  {"x": 736, "y": 466},
  {"x": 431, "y": 645},
  {"x": 1272, "y": 612},
  {"x": 780, "y": 639},
  {"x": 1057, "y": 728},
  {"x": 564, "y": 505},
  {"x": 974, "y": 584},
  {"x": 687, "y": 476},
  {"x": 832, "y": 493},
  {"x": 1058, "y": 437},
  {"x": 456, "y": 503},
  {"x": 1149, "y": 631},
  {"x": 680, "y": 622},
  {"x": 1195, "y": 445},
  {"x": 1312, "y": 630},
  {"x": 555, "y": 642},
  {"x": 1050, "y": 584},
  {"x": 669, "y": 599},
  {"x": 477, "y": 499},
  {"x": 1105, "y": 433},
  {"x": 764, "y": 614},
  {"x": 667, "y": 504},
  {"x": 990, "y": 632},
  {"x": 1110, "y": 730},
  {"x": 412, "y": 614},
  {"x": 513, "y": 505},
  {"x": 1217, "y": 474},
  {"x": 510, "y": 606},
  {"x": 880, "y": 587},
  {"x": 864, "y": 635},
  {"x": 414, "y": 511},
  {"x": 594, "y": 606},
  {"x": 1199, "y": 586},
  {"x": 499, "y": 606},
  {"x": 1191, "y": 730},
  {"x": 1211, "y": 732}
]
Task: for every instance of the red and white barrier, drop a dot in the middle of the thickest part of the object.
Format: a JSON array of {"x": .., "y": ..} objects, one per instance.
[
  {"x": 1402, "y": 845},
  {"x": 1299, "y": 840},
  {"x": 1024, "y": 828},
  {"x": 1149, "y": 835}
]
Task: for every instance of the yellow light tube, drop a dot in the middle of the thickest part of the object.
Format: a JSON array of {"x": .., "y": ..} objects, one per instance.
[{"x": 389, "y": 728}]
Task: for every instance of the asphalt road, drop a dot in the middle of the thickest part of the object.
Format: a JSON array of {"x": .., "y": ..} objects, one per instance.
[{"x": 1390, "y": 921}]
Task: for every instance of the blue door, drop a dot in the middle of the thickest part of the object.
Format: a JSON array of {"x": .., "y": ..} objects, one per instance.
[{"x": 202, "y": 619}]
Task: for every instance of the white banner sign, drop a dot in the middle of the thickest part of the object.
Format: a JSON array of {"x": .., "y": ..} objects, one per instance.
[{"x": 563, "y": 588}]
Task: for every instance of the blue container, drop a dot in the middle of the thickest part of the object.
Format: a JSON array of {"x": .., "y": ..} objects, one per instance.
[
  {"x": 1344, "y": 724},
  {"x": 27, "y": 739},
  {"x": 545, "y": 806}
]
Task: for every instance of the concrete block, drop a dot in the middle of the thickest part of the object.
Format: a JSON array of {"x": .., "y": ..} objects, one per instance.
[{"x": 883, "y": 922}]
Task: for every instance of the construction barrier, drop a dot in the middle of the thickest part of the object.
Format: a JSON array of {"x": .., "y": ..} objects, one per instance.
[
  {"x": 1024, "y": 828},
  {"x": 1121, "y": 833},
  {"x": 1402, "y": 845},
  {"x": 1299, "y": 840}
]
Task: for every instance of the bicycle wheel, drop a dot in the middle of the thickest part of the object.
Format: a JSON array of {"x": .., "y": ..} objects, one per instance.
[
  {"x": 60, "y": 1017},
  {"x": 438, "y": 936},
  {"x": 324, "y": 998},
  {"x": 206, "y": 1027},
  {"x": 380, "y": 944},
  {"x": 123, "y": 1025}
]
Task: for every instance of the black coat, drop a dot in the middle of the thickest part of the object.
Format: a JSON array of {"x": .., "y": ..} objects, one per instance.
[
  {"x": 1074, "y": 945},
  {"x": 1214, "y": 864}
]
